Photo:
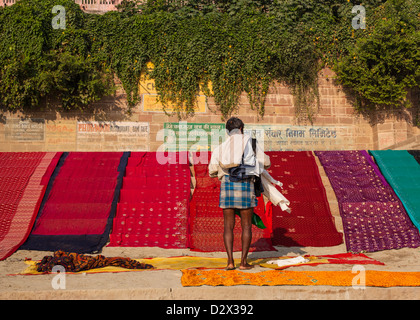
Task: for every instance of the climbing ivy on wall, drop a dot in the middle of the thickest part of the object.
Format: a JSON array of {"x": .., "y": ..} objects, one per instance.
[
  {"x": 384, "y": 62},
  {"x": 40, "y": 65},
  {"x": 221, "y": 48}
]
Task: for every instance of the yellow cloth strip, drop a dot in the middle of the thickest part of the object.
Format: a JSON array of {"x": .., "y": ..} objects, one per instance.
[
  {"x": 172, "y": 263},
  {"x": 371, "y": 278},
  {"x": 179, "y": 263}
]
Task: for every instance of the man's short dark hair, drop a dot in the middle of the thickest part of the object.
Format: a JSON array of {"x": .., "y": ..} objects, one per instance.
[{"x": 234, "y": 123}]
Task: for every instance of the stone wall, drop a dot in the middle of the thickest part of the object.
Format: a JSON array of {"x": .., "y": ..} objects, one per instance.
[
  {"x": 7, "y": 2},
  {"x": 98, "y": 6},
  {"x": 110, "y": 128}
]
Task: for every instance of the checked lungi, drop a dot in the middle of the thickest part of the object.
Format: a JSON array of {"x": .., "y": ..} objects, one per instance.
[{"x": 240, "y": 195}]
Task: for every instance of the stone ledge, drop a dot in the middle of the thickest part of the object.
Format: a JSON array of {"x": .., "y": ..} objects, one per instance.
[{"x": 221, "y": 293}]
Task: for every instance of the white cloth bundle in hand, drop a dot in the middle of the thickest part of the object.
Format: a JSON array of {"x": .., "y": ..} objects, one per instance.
[{"x": 272, "y": 193}]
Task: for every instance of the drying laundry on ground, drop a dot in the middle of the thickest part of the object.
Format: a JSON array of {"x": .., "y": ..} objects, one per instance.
[
  {"x": 288, "y": 262},
  {"x": 192, "y": 262},
  {"x": 74, "y": 262}
]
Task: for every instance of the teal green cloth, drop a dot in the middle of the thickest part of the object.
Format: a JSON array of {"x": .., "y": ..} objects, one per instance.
[
  {"x": 256, "y": 220},
  {"x": 402, "y": 172}
]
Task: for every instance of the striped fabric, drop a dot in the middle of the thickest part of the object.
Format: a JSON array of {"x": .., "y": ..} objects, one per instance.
[
  {"x": 239, "y": 195},
  {"x": 23, "y": 180}
]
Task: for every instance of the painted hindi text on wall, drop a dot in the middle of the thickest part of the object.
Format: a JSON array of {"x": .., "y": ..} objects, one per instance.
[
  {"x": 113, "y": 135},
  {"x": 184, "y": 136},
  {"x": 296, "y": 138},
  {"x": 24, "y": 129}
]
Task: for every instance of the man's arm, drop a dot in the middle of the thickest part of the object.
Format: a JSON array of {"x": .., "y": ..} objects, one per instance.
[
  {"x": 214, "y": 163},
  {"x": 262, "y": 157}
]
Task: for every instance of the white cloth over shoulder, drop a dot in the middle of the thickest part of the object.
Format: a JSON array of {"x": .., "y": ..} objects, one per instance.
[
  {"x": 231, "y": 151},
  {"x": 229, "y": 155}
]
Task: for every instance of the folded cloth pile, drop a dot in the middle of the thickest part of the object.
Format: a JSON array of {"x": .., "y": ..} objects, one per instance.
[
  {"x": 288, "y": 262},
  {"x": 74, "y": 262}
]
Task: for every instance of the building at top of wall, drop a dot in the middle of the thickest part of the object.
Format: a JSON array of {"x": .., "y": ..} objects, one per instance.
[{"x": 91, "y": 6}]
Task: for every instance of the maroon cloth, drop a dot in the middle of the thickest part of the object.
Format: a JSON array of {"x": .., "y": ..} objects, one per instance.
[
  {"x": 80, "y": 199},
  {"x": 373, "y": 217},
  {"x": 207, "y": 222},
  {"x": 23, "y": 180},
  {"x": 153, "y": 208},
  {"x": 310, "y": 223}
]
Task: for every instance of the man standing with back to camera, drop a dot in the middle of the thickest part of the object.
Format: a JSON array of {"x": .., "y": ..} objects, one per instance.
[{"x": 237, "y": 151}]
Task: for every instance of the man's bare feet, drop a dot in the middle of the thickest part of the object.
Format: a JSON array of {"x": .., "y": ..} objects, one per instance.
[
  {"x": 230, "y": 266},
  {"x": 246, "y": 267}
]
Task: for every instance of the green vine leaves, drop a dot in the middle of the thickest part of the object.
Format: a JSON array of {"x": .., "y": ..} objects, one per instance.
[{"x": 218, "y": 48}]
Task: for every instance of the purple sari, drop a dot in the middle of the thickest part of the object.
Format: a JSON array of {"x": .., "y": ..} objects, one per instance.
[{"x": 373, "y": 216}]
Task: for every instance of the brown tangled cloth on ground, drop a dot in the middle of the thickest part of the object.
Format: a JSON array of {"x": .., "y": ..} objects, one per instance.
[{"x": 75, "y": 262}]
